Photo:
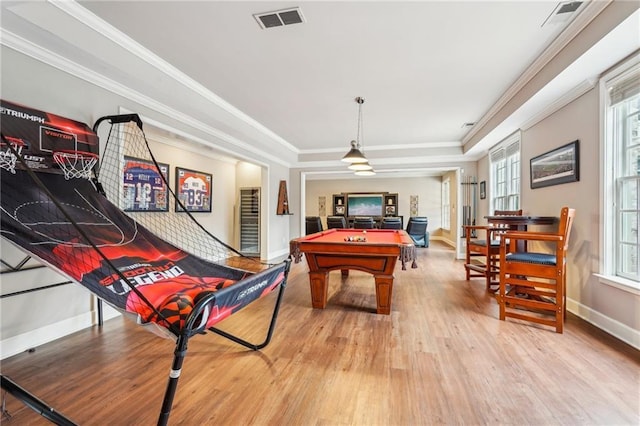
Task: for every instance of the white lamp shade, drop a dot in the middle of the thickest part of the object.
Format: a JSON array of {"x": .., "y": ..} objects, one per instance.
[
  {"x": 360, "y": 166},
  {"x": 365, "y": 172}
]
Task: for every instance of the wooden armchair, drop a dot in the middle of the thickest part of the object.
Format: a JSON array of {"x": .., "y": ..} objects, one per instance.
[
  {"x": 483, "y": 252},
  {"x": 533, "y": 283}
]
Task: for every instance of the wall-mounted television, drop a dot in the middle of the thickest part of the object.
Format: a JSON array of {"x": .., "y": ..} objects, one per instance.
[{"x": 365, "y": 205}]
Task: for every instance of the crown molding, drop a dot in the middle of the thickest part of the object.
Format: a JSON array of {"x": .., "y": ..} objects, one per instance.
[
  {"x": 563, "y": 100},
  {"x": 92, "y": 21},
  {"x": 591, "y": 10},
  {"x": 190, "y": 142},
  {"x": 43, "y": 55},
  {"x": 427, "y": 145}
]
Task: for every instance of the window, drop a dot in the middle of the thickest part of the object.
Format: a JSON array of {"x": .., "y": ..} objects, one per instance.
[
  {"x": 505, "y": 174},
  {"x": 620, "y": 96},
  {"x": 446, "y": 205}
]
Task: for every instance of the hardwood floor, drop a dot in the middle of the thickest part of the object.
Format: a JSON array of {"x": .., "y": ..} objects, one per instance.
[{"x": 441, "y": 357}]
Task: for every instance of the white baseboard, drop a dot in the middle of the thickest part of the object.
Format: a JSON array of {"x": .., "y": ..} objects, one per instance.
[
  {"x": 609, "y": 325},
  {"x": 443, "y": 239},
  {"x": 278, "y": 255},
  {"x": 22, "y": 342}
]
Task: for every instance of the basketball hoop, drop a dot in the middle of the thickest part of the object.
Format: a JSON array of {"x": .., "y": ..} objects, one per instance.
[
  {"x": 8, "y": 158},
  {"x": 75, "y": 164}
]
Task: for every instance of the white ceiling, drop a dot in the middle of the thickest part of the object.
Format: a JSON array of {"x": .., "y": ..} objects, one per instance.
[{"x": 424, "y": 67}]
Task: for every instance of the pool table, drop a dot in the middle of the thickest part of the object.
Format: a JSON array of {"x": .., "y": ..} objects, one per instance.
[{"x": 372, "y": 250}]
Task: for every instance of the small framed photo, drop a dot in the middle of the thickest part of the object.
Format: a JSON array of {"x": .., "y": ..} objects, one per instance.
[
  {"x": 483, "y": 190},
  {"x": 194, "y": 190},
  {"x": 340, "y": 210},
  {"x": 390, "y": 210},
  {"x": 144, "y": 187}
]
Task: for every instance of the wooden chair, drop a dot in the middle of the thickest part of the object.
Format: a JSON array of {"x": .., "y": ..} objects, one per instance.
[
  {"x": 533, "y": 283},
  {"x": 483, "y": 250}
]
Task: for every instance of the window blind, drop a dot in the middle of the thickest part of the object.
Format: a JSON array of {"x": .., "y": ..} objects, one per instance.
[{"x": 626, "y": 86}]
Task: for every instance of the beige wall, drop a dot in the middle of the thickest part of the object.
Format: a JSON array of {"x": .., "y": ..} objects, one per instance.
[
  {"x": 483, "y": 205},
  {"x": 451, "y": 235},
  {"x": 597, "y": 302},
  {"x": 426, "y": 188},
  {"x": 220, "y": 221}
]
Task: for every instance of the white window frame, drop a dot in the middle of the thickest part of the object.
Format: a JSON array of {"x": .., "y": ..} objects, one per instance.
[
  {"x": 505, "y": 174},
  {"x": 446, "y": 204},
  {"x": 613, "y": 153}
]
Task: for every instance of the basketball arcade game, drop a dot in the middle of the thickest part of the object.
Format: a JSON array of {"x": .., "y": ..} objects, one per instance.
[{"x": 60, "y": 207}]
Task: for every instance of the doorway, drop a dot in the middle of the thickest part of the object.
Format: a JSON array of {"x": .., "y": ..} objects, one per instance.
[{"x": 250, "y": 221}]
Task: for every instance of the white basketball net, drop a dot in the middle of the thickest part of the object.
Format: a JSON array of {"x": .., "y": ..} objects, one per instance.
[
  {"x": 75, "y": 164},
  {"x": 8, "y": 158}
]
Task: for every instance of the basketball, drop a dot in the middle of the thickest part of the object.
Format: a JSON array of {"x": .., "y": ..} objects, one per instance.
[{"x": 175, "y": 310}]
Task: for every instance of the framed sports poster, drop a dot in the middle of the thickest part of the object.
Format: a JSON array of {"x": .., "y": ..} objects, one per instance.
[
  {"x": 193, "y": 190},
  {"x": 143, "y": 188}
]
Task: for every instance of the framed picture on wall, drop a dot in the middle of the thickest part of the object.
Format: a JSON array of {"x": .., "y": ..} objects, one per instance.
[
  {"x": 483, "y": 190},
  {"x": 560, "y": 165},
  {"x": 194, "y": 190},
  {"x": 413, "y": 205},
  {"x": 143, "y": 186}
]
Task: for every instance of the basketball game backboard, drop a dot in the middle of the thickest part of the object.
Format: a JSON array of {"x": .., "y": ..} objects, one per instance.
[{"x": 40, "y": 134}]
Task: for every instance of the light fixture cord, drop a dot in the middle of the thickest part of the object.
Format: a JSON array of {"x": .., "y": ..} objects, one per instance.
[{"x": 360, "y": 133}]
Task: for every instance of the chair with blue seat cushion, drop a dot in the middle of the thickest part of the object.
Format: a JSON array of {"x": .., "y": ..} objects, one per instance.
[
  {"x": 313, "y": 224},
  {"x": 533, "y": 283},
  {"x": 338, "y": 222},
  {"x": 483, "y": 250},
  {"x": 417, "y": 230}
]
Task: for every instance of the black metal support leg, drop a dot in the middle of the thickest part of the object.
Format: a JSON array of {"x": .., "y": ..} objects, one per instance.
[
  {"x": 272, "y": 326},
  {"x": 100, "y": 314},
  {"x": 34, "y": 402},
  {"x": 174, "y": 375}
]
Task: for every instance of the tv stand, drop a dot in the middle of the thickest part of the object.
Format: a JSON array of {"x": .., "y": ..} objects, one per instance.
[{"x": 389, "y": 205}]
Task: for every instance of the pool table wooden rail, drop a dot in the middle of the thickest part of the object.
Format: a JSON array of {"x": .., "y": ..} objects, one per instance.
[{"x": 328, "y": 251}]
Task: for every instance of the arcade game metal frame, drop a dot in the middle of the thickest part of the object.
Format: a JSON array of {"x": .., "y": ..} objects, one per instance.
[{"x": 198, "y": 321}]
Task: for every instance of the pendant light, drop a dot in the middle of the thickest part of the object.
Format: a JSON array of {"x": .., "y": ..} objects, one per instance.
[{"x": 355, "y": 156}]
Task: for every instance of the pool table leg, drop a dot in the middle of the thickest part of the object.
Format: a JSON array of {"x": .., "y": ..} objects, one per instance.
[
  {"x": 319, "y": 288},
  {"x": 384, "y": 288}
]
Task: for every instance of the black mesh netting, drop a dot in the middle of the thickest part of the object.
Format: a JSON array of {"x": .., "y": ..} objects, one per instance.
[
  {"x": 127, "y": 142},
  {"x": 161, "y": 266}
]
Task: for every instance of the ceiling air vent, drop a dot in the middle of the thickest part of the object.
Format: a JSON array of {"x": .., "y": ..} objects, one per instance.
[
  {"x": 562, "y": 12},
  {"x": 279, "y": 18}
]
